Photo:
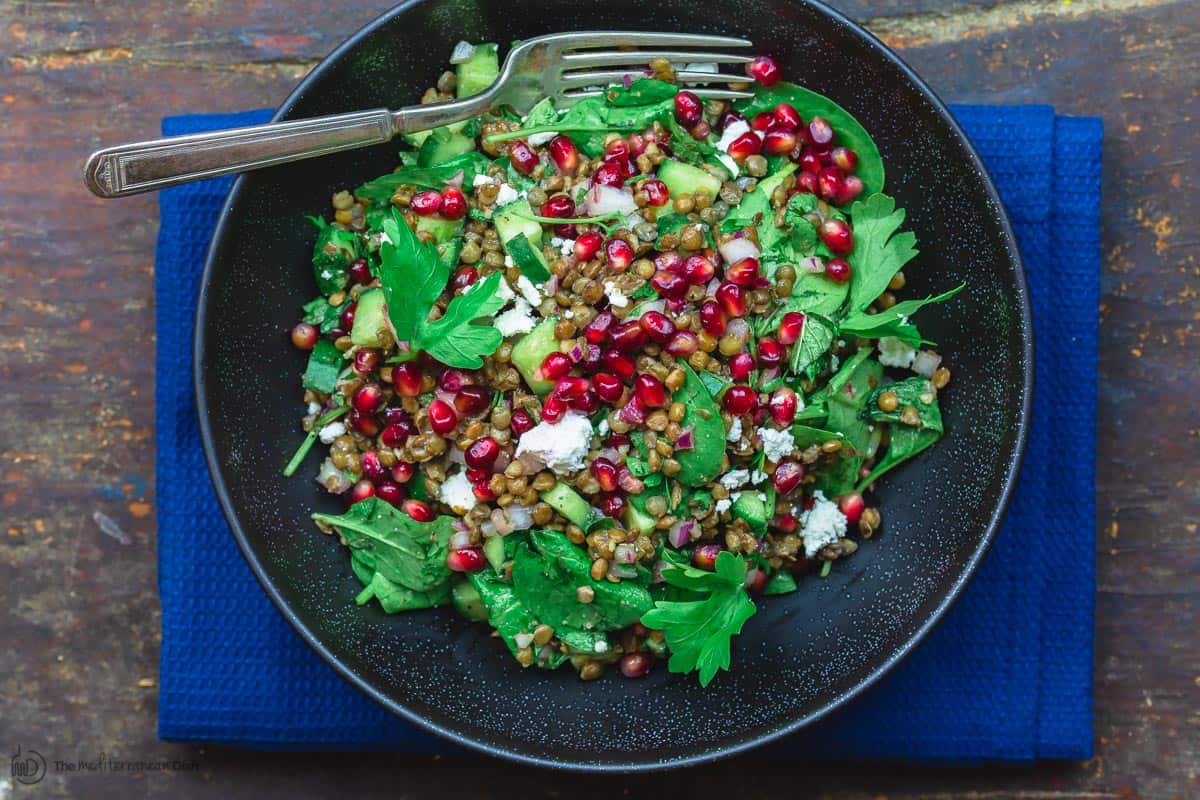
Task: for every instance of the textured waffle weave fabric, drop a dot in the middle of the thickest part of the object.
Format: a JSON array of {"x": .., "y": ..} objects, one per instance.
[{"x": 1006, "y": 676}]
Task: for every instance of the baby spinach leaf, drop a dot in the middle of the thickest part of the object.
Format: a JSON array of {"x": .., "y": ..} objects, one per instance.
[
  {"x": 894, "y": 321},
  {"x": 324, "y": 366},
  {"x": 380, "y": 190},
  {"x": 454, "y": 340},
  {"x": 507, "y": 614},
  {"x": 806, "y": 436},
  {"x": 394, "y": 598},
  {"x": 904, "y": 443},
  {"x": 542, "y": 113},
  {"x": 640, "y": 92},
  {"x": 325, "y": 316},
  {"x": 780, "y": 582},
  {"x": 879, "y": 251},
  {"x": 848, "y": 131},
  {"x": 703, "y": 462},
  {"x": 409, "y": 553},
  {"x": 915, "y": 392}
]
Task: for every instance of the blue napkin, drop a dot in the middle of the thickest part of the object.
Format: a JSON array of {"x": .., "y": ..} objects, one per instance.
[{"x": 1006, "y": 676}]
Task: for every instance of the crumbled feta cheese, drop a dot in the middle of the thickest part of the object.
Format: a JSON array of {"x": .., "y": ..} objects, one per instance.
[
  {"x": 823, "y": 524},
  {"x": 314, "y": 408},
  {"x": 735, "y": 478},
  {"x": 834, "y": 362},
  {"x": 458, "y": 493},
  {"x": 568, "y": 313},
  {"x": 735, "y": 430},
  {"x": 529, "y": 291},
  {"x": 723, "y": 505},
  {"x": 482, "y": 180},
  {"x": 762, "y": 497},
  {"x": 565, "y": 246},
  {"x": 732, "y": 131},
  {"x": 508, "y": 261},
  {"x": 601, "y": 646},
  {"x": 757, "y": 476},
  {"x": 330, "y": 432},
  {"x": 603, "y": 428},
  {"x": 563, "y": 445},
  {"x": 518, "y": 319},
  {"x": 701, "y": 66},
  {"x": 503, "y": 290},
  {"x": 523, "y": 640},
  {"x": 506, "y": 195},
  {"x": 615, "y": 296},
  {"x": 729, "y": 163},
  {"x": 539, "y": 139},
  {"x": 895, "y": 353},
  {"x": 776, "y": 444}
]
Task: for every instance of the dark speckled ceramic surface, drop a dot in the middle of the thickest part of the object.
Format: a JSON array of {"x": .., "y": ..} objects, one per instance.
[{"x": 802, "y": 654}]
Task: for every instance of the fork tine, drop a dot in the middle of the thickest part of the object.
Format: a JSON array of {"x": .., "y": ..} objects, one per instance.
[
  {"x": 620, "y": 57},
  {"x": 704, "y": 94},
  {"x": 580, "y": 39},
  {"x": 572, "y": 80}
]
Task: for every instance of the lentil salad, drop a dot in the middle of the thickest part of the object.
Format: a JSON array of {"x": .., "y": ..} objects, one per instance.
[{"x": 601, "y": 376}]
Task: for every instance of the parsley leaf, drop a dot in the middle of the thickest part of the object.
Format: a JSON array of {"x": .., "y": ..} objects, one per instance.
[
  {"x": 380, "y": 190},
  {"x": 894, "y": 321},
  {"x": 699, "y": 632},
  {"x": 453, "y": 339},
  {"x": 879, "y": 252},
  {"x": 413, "y": 277},
  {"x": 815, "y": 338}
]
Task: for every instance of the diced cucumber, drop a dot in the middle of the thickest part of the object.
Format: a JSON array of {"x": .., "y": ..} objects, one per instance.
[
  {"x": 531, "y": 350},
  {"x": 447, "y": 236},
  {"x": 443, "y": 145},
  {"x": 753, "y": 509},
  {"x": 493, "y": 550},
  {"x": 468, "y": 602},
  {"x": 529, "y": 259},
  {"x": 683, "y": 178},
  {"x": 566, "y": 501},
  {"x": 479, "y": 71},
  {"x": 637, "y": 519},
  {"x": 510, "y": 221},
  {"x": 324, "y": 366},
  {"x": 417, "y": 138},
  {"x": 370, "y": 319}
]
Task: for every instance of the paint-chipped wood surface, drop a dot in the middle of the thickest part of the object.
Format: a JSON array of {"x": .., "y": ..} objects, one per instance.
[{"x": 77, "y": 577}]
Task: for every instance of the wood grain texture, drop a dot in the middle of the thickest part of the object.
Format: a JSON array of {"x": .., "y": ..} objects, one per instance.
[{"x": 78, "y": 672}]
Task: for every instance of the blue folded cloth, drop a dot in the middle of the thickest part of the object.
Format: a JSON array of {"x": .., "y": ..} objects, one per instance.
[{"x": 1006, "y": 676}]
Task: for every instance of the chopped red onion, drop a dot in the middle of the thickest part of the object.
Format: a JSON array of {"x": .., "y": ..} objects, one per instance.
[
  {"x": 681, "y": 532},
  {"x": 462, "y": 53},
  {"x": 456, "y": 180},
  {"x": 627, "y": 481},
  {"x": 632, "y": 412},
  {"x": 577, "y": 354},
  {"x": 601, "y": 200},
  {"x": 520, "y": 517},
  {"x": 502, "y": 461},
  {"x": 657, "y": 571},
  {"x": 926, "y": 363},
  {"x": 622, "y": 571},
  {"x": 625, "y": 554},
  {"x": 627, "y": 80},
  {"x": 459, "y": 540},
  {"x": 332, "y": 478},
  {"x": 738, "y": 327},
  {"x": 611, "y": 453},
  {"x": 532, "y": 461},
  {"x": 550, "y": 287},
  {"x": 813, "y": 265},
  {"x": 736, "y": 250},
  {"x": 686, "y": 440}
]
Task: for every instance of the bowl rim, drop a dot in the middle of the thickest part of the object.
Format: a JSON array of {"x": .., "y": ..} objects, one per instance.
[{"x": 752, "y": 741}]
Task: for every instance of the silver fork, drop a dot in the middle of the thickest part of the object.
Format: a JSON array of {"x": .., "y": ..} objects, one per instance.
[{"x": 565, "y": 66}]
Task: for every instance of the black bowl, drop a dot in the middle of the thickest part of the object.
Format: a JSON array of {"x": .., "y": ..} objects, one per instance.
[{"x": 803, "y": 654}]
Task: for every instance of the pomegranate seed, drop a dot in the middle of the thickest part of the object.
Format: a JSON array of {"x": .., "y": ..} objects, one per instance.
[
  {"x": 837, "y": 270},
  {"x": 609, "y": 174},
  {"x": 360, "y": 272},
  {"x": 564, "y": 154},
  {"x": 366, "y": 424},
  {"x": 744, "y": 146},
  {"x": 389, "y": 492},
  {"x": 362, "y": 490},
  {"x": 628, "y": 336},
  {"x": 829, "y": 183},
  {"x": 779, "y": 142},
  {"x": 765, "y": 70},
  {"x": 743, "y": 273},
  {"x": 619, "y": 254},
  {"x": 304, "y": 336},
  {"x": 587, "y": 402},
  {"x": 442, "y": 417},
  {"x": 650, "y": 391},
  {"x": 700, "y": 131},
  {"x": 611, "y": 505},
  {"x": 477, "y": 474},
  {"x": 683, "y": 344},
  {"x": 657, "y": 191},
  {"x": 406, "y": 378},
  {"x": 806, "y": 182},
  {"x": 705, "y": 555},
  {"x": 852, "y": 505},
  {"x": 559, "y": 206},
  {"x": 587, "y": 245},
  {"x": 852, "y": 187},
  {"x": 522, "y": 157},
  {"x": 451, "y": 380},
  {"x": 786, "y": 116},
  {"x": 732, "y": 299},
  {"x": 712, "y": 318},
  {"x": 670, "y": 261},
  {"x": 553, "y": 409},
  {"x": 688, "y": 109},
  {"x": 520, "y": 421},
  {"x": 836, "y": 235},
  {"x": 657, "y": 325},
  {"x": 472, "y": 400},
  {"x": 785, "y": 523},
  {"x": 395, "y": 435},
  {"x": 634, "y": 413},
  {"x": 770, "y": 352},
  {"x": 366, "y": 361},
  {"x": 739, "y": 400},
  {"x": 483, "y": 492},
  {"x": 819, "y": 131},
  {"x": 554, "y": 366},
  {"x": 790, "y": 327},
  {"x": 482, "y": 453},
  {"x": 395, "y": 415},
  {"x": 403, "y": 472},
  {"x": 346, "y": 320},
  {"x": 426, "y": 203},
  {"x": 669, "y": 284},
  {"x": 787, "y": 476},
  {"x": 454, "y": 204},
  {"x": 619, "y": 363},
  {"x": 740, "y": 366},
  {"x": 605, "y": 473},
  {"x": 810, "y": 162},
  {"x": 596, "y": 331},
  {"x": 566, "y": 231},
  {"x": 464, "y": 277},
  {"x": 636, "y": 665},
  {"x": 698, "y": 270},
  {"x": 783, "y": 405},
  {"x": 728, "y": 117},
  {"x": 756, "y": 580},
  {"x": 607, "y": 386},
  {"x": 368, "y": 398},
  {"x": 844, "y": 158},
  {"x": 466, "y": 559},
  {"x": 569, "y": 388},
  {"x": 762, "y": 120},
  {"x": 372, "y": 467}
]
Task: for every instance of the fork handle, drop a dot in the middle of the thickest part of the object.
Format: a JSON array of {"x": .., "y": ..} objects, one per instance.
[{"x": 146, "y": 166}]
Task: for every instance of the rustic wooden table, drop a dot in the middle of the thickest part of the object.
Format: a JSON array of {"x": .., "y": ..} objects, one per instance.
[{"x": 78, "y": 666}]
